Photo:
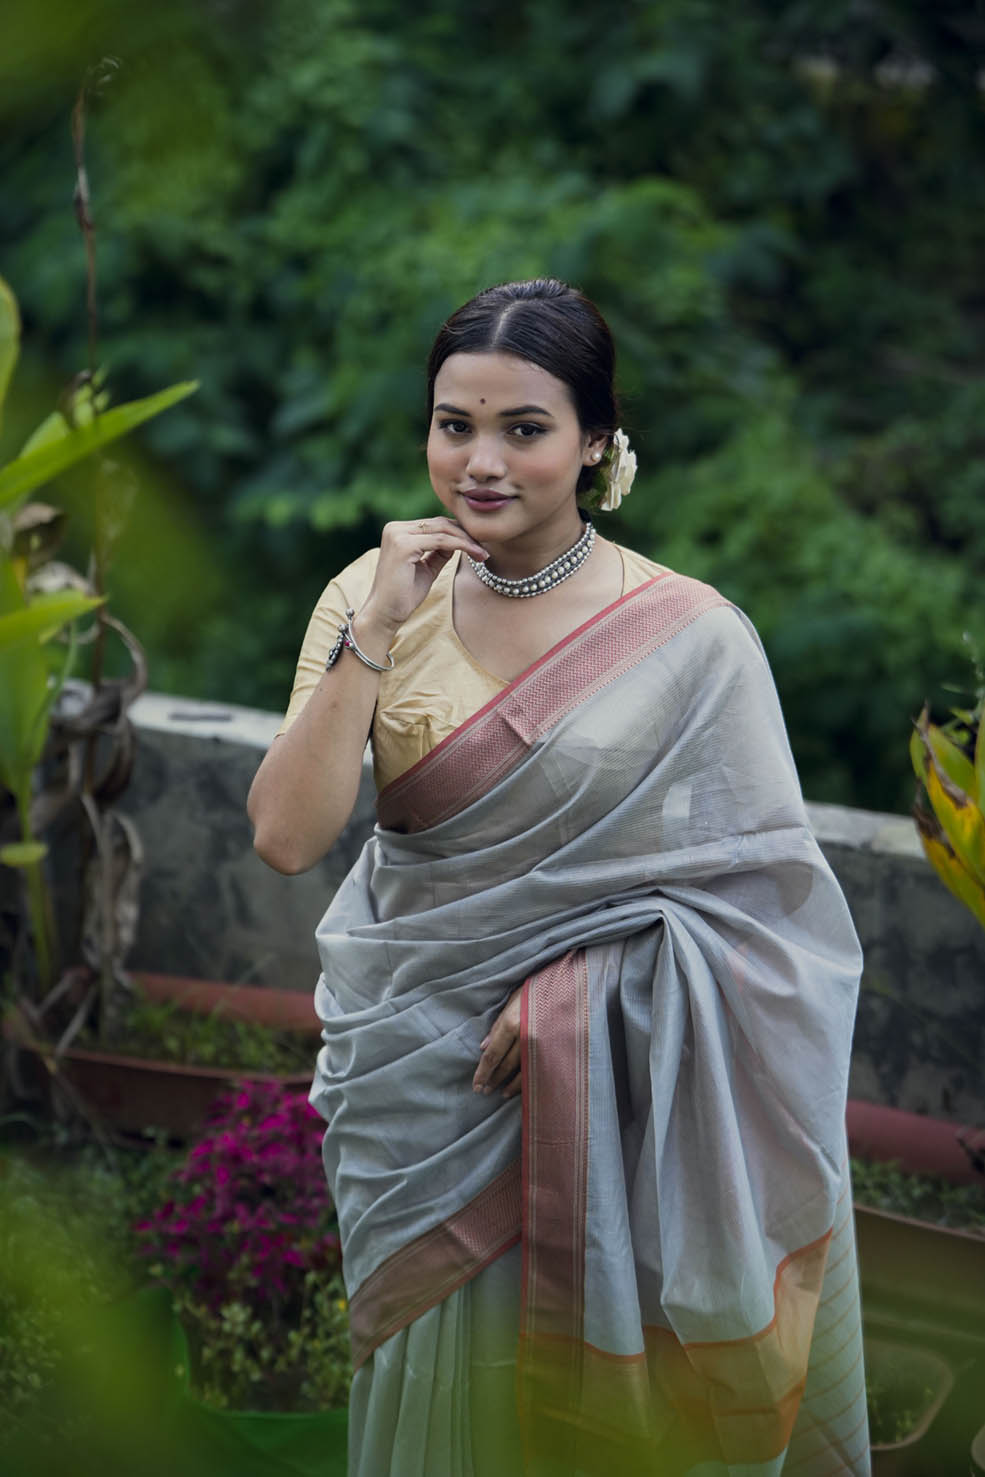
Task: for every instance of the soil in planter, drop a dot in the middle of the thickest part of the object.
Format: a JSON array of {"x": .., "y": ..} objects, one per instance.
[
  {"x": 165, "y": 1032},
  {"x": 921, "y": 1196}
]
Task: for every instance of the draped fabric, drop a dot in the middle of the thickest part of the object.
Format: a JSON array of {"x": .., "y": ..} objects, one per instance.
[{"x": 620, "y": 833}]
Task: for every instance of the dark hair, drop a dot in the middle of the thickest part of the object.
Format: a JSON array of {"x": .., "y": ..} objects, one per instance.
[{"x": 549, "y": 324}]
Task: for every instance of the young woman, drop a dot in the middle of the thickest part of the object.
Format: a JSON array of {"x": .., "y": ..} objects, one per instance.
[{"x": 588, "y": 992}]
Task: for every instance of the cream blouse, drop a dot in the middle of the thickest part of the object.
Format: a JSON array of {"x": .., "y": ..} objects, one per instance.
[{"x": 436, "y": 683}]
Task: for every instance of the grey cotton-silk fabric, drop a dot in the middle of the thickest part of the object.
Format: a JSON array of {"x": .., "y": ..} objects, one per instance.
[{"x": 659, "y": 826}]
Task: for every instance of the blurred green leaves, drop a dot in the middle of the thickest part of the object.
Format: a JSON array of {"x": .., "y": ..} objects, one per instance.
[{"x": 32, "y": 469}]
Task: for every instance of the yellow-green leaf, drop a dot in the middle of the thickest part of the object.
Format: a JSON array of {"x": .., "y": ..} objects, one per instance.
[
  {"x": 10, "y": 332},
  {"x": 32, "y": 469},
  {"x": 54, "y": 427},
  {"x": 980, "y": 762},
  {"x": 953, "y": 759},
  {"x": 953, "y": 875},
  {"x": 961, "y": 821},
  {"x": 23, "y": 853},
  {"x": 43, "y": 617},
  {"x": 919, "y": 754}
]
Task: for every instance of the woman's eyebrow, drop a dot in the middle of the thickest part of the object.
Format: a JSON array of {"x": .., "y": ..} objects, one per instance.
[{"x": 504, "y": 414}]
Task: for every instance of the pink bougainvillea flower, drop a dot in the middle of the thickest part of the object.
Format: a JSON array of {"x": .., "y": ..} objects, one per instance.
[{"x": 249, "y": 1213}]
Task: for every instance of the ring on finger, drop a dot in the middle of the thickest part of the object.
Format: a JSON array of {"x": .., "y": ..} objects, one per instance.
[{"x": 422, "y": 527}]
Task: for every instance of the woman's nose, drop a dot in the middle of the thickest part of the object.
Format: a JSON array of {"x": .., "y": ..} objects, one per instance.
[{"x": 486, "y": 460}]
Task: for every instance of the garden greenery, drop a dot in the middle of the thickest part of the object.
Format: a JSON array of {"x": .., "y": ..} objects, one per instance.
[{"x": 162, "y": 1030}]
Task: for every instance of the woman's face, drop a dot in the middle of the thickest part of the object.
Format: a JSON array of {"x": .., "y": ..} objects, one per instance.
[{"x": 505, "y": 448}]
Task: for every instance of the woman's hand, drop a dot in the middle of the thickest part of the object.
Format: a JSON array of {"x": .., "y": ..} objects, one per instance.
[
  {"x": 412, "y": 555},
  {"x": 500, "y": 1059}
]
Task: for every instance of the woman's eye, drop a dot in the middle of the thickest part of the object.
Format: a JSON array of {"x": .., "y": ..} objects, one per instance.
[
  {"x": 456, "y": 428},
  {"x": 527, "y": 430}
]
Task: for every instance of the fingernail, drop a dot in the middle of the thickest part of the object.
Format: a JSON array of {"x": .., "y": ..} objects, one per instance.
[{"x": 483, "y": 1043}]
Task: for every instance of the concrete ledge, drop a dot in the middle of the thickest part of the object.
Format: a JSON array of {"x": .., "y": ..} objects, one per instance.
[{"x": 211, "y": 908}]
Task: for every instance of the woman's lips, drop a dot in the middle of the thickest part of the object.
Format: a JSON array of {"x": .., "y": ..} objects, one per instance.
[{"x": 485, "y": 502}]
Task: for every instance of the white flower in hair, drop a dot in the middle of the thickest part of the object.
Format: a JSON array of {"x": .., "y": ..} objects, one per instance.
[{"x": 619, "y": 472}]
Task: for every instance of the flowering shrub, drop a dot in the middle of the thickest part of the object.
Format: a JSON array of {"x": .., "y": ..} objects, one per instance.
[{"x": 246, "y": 1243}]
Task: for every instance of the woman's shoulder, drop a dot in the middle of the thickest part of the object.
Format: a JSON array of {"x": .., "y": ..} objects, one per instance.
[
  {"x": 638, "y": 569},
  {"x": 723, "y": 626}
]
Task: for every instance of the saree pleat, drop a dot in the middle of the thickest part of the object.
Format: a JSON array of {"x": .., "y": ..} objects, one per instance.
[
  {"x": 438, "y": 1398},
  {"x": 620, "y": 833}
]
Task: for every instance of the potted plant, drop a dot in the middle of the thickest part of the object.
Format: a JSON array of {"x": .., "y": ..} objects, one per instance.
[
  {"x": 38, "y": 600},
  {"x": 906, "y": 1388},
  {"x": 246, "y": 1243},
  {"x": 66, "y": 753},
  {"x": 921, "y": 1245},
  {"x": 178, "y": 1046}
]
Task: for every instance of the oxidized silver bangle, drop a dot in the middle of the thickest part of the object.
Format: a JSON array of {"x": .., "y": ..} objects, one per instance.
[{"x": 346, "y": 638}]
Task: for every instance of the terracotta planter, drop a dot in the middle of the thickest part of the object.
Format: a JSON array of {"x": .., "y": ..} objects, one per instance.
[
  {"x": 914, "y": 1270},
  {"x": 921, "y": 1381},
  {"x": 134, "y": 1093},
  {"x": 920, "y": 1144}
]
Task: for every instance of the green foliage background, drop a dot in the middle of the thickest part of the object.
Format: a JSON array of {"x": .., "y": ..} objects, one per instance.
[{"x": 779, "y": 207}]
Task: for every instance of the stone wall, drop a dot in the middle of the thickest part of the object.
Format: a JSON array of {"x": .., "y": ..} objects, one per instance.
[{"x": 212, "y": 909}]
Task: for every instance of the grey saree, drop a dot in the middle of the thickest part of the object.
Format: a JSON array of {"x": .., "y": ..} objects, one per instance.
[{"x": 646, "y": 1262}]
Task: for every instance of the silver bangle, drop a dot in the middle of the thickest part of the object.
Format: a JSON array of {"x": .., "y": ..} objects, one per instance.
[{"x": 346, "y": 638}]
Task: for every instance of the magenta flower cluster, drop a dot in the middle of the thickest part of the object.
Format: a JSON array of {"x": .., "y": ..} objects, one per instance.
[{"x": 249, "y": 1214}]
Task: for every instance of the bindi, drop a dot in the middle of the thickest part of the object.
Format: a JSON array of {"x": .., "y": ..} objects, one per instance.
[{"x": 482, "y": 399}]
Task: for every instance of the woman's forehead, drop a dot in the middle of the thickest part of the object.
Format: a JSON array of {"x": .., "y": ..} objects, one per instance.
[{"x": 500, "y": 381}]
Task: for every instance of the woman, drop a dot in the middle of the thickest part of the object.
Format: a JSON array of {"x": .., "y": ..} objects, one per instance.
[{"x": 588, "y": 992}]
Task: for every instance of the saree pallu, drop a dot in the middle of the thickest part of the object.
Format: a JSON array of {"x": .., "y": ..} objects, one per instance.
[{"x": 621, "y": 833}]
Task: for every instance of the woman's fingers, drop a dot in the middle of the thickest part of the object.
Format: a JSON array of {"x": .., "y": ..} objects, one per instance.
[
  {"x": 500, "y": 1059},
  {"x": 443, "y": 534},
  {"x": 505, "y": 1067},
  {"x": 412, "y": 555}
]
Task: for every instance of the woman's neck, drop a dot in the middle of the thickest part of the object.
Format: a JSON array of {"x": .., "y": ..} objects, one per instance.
[{"x": 529, "y": 553}]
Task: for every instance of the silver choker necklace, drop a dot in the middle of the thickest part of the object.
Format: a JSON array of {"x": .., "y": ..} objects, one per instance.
[{"x": 559, "y": 569}]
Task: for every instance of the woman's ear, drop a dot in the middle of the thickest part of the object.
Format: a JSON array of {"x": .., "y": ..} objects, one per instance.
[{"x": 595, "y": 448}]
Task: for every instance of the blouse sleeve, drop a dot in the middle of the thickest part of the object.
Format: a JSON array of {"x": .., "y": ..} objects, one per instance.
[{"x": 349, "y": 589}]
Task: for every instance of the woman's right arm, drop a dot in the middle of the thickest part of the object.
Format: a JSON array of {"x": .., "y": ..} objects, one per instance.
[{"x": 305, "y": 789}]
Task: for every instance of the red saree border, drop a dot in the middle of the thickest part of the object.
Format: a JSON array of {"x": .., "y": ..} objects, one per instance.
[
  {"x": 432, "y": 1266},
  {"x": 470, "y": 761},
  {"x": 554, "y": 1069},
  {"x": 734, "y": 1399}
]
